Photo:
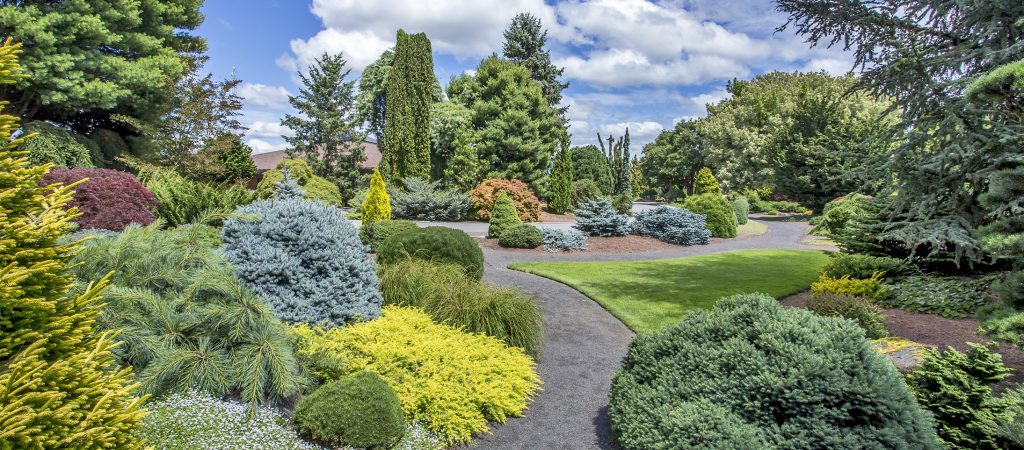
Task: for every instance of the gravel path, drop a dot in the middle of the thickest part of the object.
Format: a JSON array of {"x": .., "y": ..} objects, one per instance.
[{"x": 584, "y": 344}]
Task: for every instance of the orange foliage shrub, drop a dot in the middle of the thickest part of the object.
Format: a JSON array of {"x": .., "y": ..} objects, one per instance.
[{"x": 484, "y": 194}]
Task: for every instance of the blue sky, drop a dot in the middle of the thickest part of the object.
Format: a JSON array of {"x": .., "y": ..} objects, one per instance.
[{"x": 630, "y": 63}]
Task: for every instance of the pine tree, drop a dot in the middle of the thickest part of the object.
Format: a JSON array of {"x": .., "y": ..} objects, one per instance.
[
  {"x": 406, "y": 146},
  {"x": 561, "y": 181},
  {"x": 377, "y": 205},
  {"x": 326, "y": 133},
  {"x": 464, "y": 170},
  {"x": 705, "y": 183},
  {"x": 524, "y": 43},
  {"x": 59, "y": 387}
]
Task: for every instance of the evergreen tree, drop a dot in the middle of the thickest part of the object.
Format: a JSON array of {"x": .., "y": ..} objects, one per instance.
[
  {"x": 705, "y": 183},
  {"x": 503, "y": 216},
  {"x": 517, "y": 132},
  {"x": 524, "y": 43},
  {"x": 372, "y": 99},
  {"x": 636, "y": 177},
  {"x": 617, "y": 154},
  {"x": 464, "y": 170},
  {"x": 561, "y": 181},
  {"x": 671, "y": 162},
  {"x": 406, "y": 145},
  {"x": 326, "y": 133},
  {"x": 377, "y": 205},
  {"x": 589, "y": 163},
  {"x": 59, "y": 387},
  {"x": 447, "y": 120}
]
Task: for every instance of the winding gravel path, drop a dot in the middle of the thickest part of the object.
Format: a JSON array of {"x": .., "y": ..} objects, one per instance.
[{"x": 584, "y": 344}]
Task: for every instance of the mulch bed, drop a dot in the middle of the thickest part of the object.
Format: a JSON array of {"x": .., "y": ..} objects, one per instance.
[
  {"x": 620, "y": 244},
  {"x": 552, "y": 217},
  {"x": 939, "y": 332}
]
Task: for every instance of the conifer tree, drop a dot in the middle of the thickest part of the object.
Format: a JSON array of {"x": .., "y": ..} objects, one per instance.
[
  {"x": 524, "y": 43},
  {"x": 406, "y": 146},
  {"x": 503, "y": 216},
  {"x": 464, "y": 170},
  {"x": 326, "y": 133},
  {"x": 636, "y": 177},
  {"x": 705, "y": 183},
  {"x": 617, "y": 155},
  {"x": 377, "y": 205},
  {"x": 561, "y": 181},
  {"x": 59, "y": 387}
]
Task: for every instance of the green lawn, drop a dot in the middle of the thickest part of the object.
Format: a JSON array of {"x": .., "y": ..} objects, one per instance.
[{"x": 647, "y": 295}]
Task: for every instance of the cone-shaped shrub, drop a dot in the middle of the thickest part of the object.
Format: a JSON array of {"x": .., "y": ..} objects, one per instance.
[
  {"x": 741, "y": 206},
  {"x": 561, "y": 182},
  {"x": 59, "y": 387},
  {"x": 377, "y": 205},
  {"x": 305, "y": 259},
  {"x": 503, "y": 216},
  {"x": 779, "y": 377},
  {"x": 705, "y": 183}
]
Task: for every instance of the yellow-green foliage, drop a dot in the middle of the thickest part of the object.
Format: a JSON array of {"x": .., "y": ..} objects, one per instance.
[
  {"x": 452, "y": 381},
  {"x": 872, "y": 288},
  {"x": 315, "y": 187},
  {"x": 377, "y": 205},
  {"x": 58, "y": 387}
]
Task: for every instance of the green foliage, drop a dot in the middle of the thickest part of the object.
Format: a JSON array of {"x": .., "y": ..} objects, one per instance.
[
  {"x": 589, "y": 163},
  {"x": 58, "y": 381},
  {"x": 741, "y": 207},
  {"x": 1009, "y": 426},
  {"x": 181, "y": 201},
  {"x": 315, "y": 187},
  {"x": 721, "y": 219},
  {"x": 705, "y": 183},
  {"x": 458, "y": 384},
  {"x": 377, "y": 205},
  {"x": 617, "y": 154},
  {"x": 184, "y": 320},
  {"x": 406, "y": 144},
  {"x": 955, "y": 387},
  {"x": 599, "y": 218},
  {"x": 418, "y": 199},
  {"x": 637, "y": 180},
  {"x": 117, "y": 60},
  {"x": 360, "y": 410},
  {"x": 584, "y": 191},
  {"x": 193, "y": 419},
  {"x": 223, "y": 159},
  {"x": 55, "y": 145},
  {"x": 371, "y": 102},
  {"x": 671, "y": 162},
  {"x": 437, "y": 244},
  {"x": 523, "y": 235},
  {"x": 503, "y": 216},
  {"x": 857, "y": 309},
  {"x": 863, "y": 266},
  {"x": 111, "y": 145},
  {"x": 871, "y": 288},
  {"x": 450, "y": 125},
  {"x": 1011, "y": 289},
  {"x": 567, "y": 240},
  {"x": 562, "y": 178},
  {"x": 623, "y": 203},
  {"x": 327, "y": 134},
  {"x": 952, "y": 297},
  {"x": 516, "y": 132},
  {"x": 761, "y": 364},
  {"x": 376, "y": 233},
  {"x": 464, "y": 170},
  {"x": 524, "y": 43},
  {"x": 445, "y": 293},
  {"x": 837, "y": 213},
  {"x": 1009, "y": 328}
]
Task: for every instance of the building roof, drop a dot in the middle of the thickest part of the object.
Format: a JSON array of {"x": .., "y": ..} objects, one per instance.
[{"x": 269, "y": 160}]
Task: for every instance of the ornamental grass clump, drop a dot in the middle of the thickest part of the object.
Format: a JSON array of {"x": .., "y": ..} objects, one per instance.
[
  {"x": 503, "y": 216},
  {"x": 305, "y": 259},
  {"x": 858, "y": 309},
  {"x": 673, "y": 225},
  {"x": 454, "y": 382},
  {"x": 360, "y": 411},
  {"x": 599, "y": 218},
  {"x": 753, "y": 374},
  {"x": 181, "y": 201},
  {"x": 438, "y": 244}
]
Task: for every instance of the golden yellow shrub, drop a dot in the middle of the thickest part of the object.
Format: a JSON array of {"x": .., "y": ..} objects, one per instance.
[{"x": 872, "y": 288}]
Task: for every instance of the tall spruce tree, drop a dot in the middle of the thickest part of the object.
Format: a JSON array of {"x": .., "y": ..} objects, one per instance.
[
  {"x": 326, "y": 131},
  {"x": 561, "y": 181},
  {"x": 524, "y": 43},
  {"x": 406, "y": 145},
  {"x": 923, "y": 54}
]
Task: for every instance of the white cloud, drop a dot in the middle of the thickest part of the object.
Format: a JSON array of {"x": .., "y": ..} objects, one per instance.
[
  {"x": 260, "y": 128},
  {"x": 261, "y": 146},
  {"x": 712, "y": 97},
  {"x": 261, "y": 95},
  {"x": 832, "y": 66},
  {"x": 643, "y": 131},
  {"x": 620, "y": 67}
]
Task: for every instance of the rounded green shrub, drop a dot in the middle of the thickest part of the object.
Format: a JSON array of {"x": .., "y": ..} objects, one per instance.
[
  {"x": 374, "y": 233},
  {"x": 314, "y": 187},
  {"x": 858, "y": 309},
  {"x": 361, "y": 411},
  {"x": 434, "y": 244},
  {"x": 863, "y": 266},
  {"x": 1011, "y": 289},
  {"x": 742, "y": 209},
  {"x": 523, "y": 235},
  {"x": 623, "y": 203},
  {"x": 780, "y": 376},
  {"x": 583, "y": 191},
  {"x": 721, "y": 219},
  {"x": 503, "y": 216}
]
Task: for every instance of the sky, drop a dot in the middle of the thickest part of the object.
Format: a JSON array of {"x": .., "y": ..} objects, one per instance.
[{"x": 640, "y": 64}]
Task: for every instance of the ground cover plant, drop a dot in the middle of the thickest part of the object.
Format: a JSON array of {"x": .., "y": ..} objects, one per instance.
[
  {"x": 951, "y": 297},
  {"x": 748, "y": 374},
  {"x": 454, "y": 382},
  {"x": 648, "y": 295},
  {"x": 438, "y": 244},
  {"x": 872, "y": 287},
  {"x": 858, "y": 309},
  {"x": 565, "y": 240},
  {"x": 864, "y": 266},
  {"x": 108, "y": 199}
]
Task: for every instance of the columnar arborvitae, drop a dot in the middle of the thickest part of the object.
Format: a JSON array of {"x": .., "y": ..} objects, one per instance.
[
  {"x": 377, "y": 205},
  {"x": 617, "y": 154},
  {"x": 406, "y": 146},
  {"x": 58, "y": 384},
  {"x": 561, "y": 181}
]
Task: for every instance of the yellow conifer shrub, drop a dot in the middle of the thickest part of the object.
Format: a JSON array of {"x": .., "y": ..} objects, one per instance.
[
  {"x": 58, "y": 387},
  {"x": 452, "y": 381},
  {"x": 377, "y": 205}
]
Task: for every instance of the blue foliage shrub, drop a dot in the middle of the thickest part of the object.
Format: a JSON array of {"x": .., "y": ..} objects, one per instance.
[
  {"x": 305, "y": 259},
  {"x": 599, "y": 218},
  {"x": 780, "y": 377},
  {"x": 420, "y": 199},
  {"x": 555, "y": 239},
  {"x": 673, "y": 225}
]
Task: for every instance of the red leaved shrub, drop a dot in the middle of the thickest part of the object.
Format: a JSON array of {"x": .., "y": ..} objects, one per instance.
[
  {"x": 110, "y": 199},
  {"x": 485, "y": 193}
]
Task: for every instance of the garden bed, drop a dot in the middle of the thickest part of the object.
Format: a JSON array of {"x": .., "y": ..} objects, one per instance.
[{"x": 617, "y": 244}]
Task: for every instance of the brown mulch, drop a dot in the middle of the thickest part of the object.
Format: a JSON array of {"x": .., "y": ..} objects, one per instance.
[
  {"x": 940, "y": 332},
  {"x": 619, "y": 244},
  {"x": 552, "y": 217}
]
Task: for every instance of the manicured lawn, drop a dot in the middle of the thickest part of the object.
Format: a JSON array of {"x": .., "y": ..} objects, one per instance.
[
  {"x": 648, "y": 295},
  {"x": 751, "y": 228}
]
